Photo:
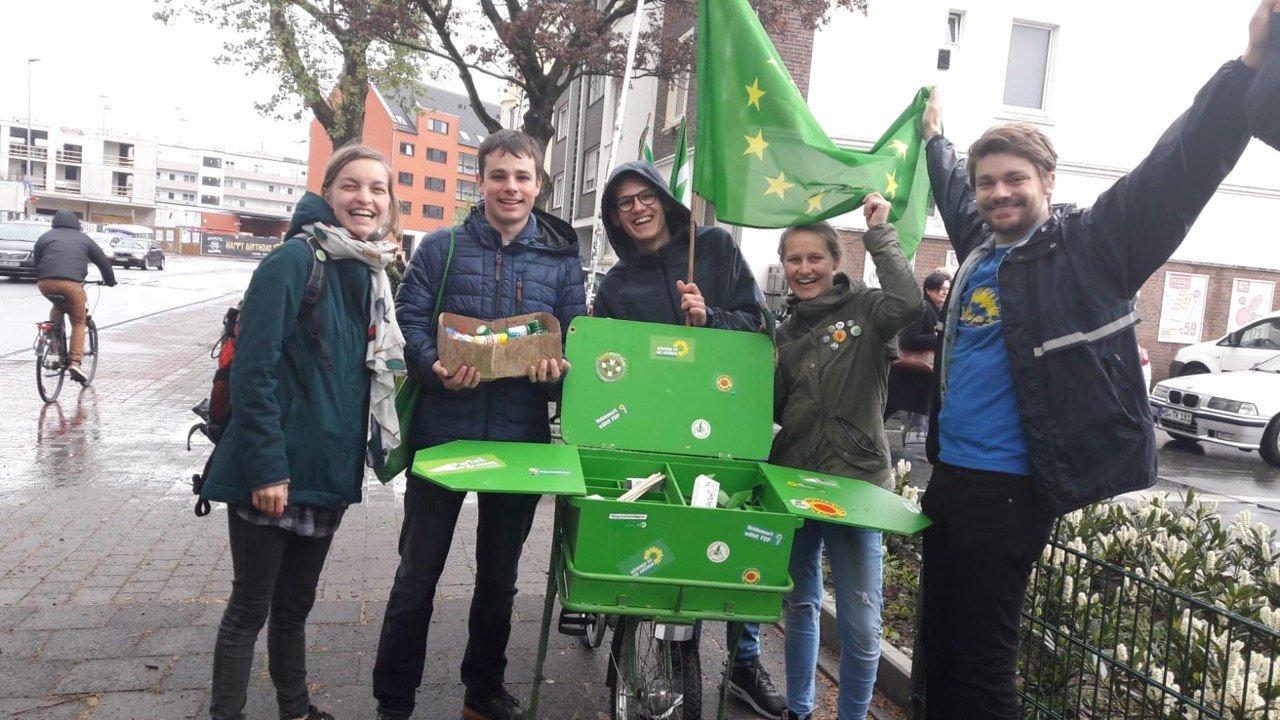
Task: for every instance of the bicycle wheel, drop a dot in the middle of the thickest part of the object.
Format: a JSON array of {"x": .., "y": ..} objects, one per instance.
[
  {"x": 596, "y": 628},
  {"x": 89, "y": 363},
  {"x": 653, "y": 679},
  {"x": 51, "y": 367}
]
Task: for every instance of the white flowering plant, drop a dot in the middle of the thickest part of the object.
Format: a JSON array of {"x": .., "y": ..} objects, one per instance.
[{"x": 1158, "y": 608}]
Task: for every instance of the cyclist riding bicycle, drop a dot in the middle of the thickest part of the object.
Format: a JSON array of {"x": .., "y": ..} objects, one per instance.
[{"x": 62, "y": 258}]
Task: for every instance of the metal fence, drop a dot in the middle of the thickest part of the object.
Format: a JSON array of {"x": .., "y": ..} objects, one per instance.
[{"x": 1101, "y": 642}]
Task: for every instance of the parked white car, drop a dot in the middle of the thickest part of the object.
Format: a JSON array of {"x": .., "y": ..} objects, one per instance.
[
  {"x": 1236, "y": 409},
  {"x": 1237, "y": 350}
]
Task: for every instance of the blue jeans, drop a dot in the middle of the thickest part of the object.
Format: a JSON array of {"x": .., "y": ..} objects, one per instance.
[{"x": 855, "y": 555}]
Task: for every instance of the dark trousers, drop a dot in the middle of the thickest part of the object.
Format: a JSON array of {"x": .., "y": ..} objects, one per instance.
[
  {"x": 430, "y": 514},
  {"x": 986, "y": 535},
  {"x": 275, "y": 576}
]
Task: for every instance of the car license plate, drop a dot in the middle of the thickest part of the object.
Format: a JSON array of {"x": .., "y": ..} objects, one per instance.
[
  {"x": 1179, "y": 416},
  {"x": 9, "y": 263}
]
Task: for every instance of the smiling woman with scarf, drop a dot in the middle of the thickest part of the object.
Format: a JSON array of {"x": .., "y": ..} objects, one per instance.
[{"x": 311, "y": 397}]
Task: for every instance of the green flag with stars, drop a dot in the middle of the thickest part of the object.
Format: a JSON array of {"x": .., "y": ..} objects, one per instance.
[{"x": 766, "y": 162}]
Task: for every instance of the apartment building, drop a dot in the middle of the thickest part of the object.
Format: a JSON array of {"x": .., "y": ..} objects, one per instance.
[
  {"x": 227, "y": 192},
  {"x": 430, "y": 137},
  {"x": 102, "y": 176}
]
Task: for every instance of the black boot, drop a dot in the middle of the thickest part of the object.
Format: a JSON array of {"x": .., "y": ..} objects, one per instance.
[
  {"x": 497, "y": 706},
  {"x": 751, "y": 684}
]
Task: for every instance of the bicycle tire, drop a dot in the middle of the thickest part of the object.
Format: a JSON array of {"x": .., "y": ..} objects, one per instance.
[
  {"x": 89, "y": 362},
  {"x": 653, "y": 679},
  {"x": 49, "y": 380}
]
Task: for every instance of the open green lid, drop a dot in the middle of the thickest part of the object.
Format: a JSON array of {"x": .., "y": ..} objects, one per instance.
[
  {"x": 506, "y": 467},
  {"x": 843, "y": 501},
  {"x": 668, "y": 388}
]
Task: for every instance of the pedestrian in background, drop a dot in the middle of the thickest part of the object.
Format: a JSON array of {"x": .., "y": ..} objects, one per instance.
[
  {"x": 293, "y": 455},
  {"x": 830, "y": 392},
  {"x": 910, "y": 374}
]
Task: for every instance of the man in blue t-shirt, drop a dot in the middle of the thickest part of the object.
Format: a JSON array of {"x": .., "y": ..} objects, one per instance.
[{"x": 1039, "y": 400}]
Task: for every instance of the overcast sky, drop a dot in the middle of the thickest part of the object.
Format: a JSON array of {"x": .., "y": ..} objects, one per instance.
[{"x": 111, "y": 53}]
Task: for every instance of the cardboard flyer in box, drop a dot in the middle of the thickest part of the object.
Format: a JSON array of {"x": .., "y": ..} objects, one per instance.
[{"x": 500, "y": 360}]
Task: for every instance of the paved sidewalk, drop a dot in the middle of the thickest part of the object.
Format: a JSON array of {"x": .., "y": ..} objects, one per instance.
[{"x": 111, "y": 589}]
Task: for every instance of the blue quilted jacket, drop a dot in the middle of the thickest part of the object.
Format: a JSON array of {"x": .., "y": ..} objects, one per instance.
[{"x": 539, "y": 271}]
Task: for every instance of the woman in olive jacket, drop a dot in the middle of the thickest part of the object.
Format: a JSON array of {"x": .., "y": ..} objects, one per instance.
[
  {"x": 309, "y": 397},
  {"x": 833, "y": 365}
]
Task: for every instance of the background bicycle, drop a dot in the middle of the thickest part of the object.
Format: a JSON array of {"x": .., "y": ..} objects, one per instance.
[{"x": 51, "y": 349}]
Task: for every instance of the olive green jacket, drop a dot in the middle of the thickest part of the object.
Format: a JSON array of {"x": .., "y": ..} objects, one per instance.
[{"x": 833, "y": 367}]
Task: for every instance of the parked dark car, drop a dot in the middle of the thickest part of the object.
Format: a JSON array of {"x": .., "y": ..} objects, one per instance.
[
  {"x": 138, "y": 252},
  {"x": 17, "y": 241}
]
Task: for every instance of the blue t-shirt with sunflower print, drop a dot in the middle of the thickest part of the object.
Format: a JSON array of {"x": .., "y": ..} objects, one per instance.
[{"x": 979, "y": 424}]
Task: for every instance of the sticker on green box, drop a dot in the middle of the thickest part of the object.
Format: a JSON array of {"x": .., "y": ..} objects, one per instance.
[
  {"x": 655, "y": 556},
  {"x": 465, "y": 464},
  {"x": 666, "y": 347}
]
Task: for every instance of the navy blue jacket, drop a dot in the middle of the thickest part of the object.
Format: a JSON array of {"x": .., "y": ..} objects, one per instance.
[
  {"x": 538, "y": 271},
  {"x": 643, "y": 287},
  {"x": 1066, "y": 299}
]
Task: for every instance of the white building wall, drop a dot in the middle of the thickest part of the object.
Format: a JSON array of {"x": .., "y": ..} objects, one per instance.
[{"x": 1119, "y": 74}]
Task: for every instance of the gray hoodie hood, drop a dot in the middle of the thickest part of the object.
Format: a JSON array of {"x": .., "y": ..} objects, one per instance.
[
  {"x": 677, "y": 214},
  {"x": 66, "y": 219}
]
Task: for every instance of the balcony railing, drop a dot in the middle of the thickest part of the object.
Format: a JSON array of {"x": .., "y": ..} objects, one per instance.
[
  {"x": 71, "y": 187},
  {"x": 122, "y": 191},
  {"x": 23, "y": 150},
  {"x": 117, "y": 160},
  {"x": 73, "y": 157}
]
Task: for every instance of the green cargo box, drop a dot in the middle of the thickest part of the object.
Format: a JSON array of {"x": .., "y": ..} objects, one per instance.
[{"x": 642, "y": 399}]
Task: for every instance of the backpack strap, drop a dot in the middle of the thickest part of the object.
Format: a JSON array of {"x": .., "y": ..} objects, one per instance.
[
  {"x": 435, "y": 316},
  {"x": 308, "y": 313}
]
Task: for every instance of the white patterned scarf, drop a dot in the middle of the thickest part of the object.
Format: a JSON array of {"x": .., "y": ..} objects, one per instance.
[{"x": 385, "y": 354}]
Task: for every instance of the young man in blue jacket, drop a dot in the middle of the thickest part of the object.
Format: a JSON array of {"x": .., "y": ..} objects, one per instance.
[
  {"x": 1039, "y": 404},
  {"x": 508, "y": 259},
  {"x": 649, "y": 230}
]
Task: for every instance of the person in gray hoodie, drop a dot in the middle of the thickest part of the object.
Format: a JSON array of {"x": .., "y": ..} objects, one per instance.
[
  {"x": 62, "y": 258},
  {"x": 649, "y": 230}
]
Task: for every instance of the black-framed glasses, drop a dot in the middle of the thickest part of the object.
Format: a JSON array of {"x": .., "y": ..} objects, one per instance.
[{"x": 646, "y": 198}]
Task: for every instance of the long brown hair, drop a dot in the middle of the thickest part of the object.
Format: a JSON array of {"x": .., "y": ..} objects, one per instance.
[{"x": 348, "y": 154}]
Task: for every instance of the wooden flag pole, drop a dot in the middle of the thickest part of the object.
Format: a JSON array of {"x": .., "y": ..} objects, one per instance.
[{"x": 693, "y": 238}]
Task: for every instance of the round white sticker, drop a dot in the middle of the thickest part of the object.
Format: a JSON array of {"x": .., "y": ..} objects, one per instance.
[
  {"x": 718, "y": 552},
  {"x": 701, "y": 429}
]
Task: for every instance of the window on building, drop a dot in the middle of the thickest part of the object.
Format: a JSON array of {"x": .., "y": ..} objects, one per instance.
[
  {"x": 172, "y": 176},
  {"x": 468, "y": 164},
  {"x": 211, "y": 181},
  {"x": 435, "y": 212},
  {"x": 209, "y": 200},
  {"x": 171, "y": 196},
  {"x": 1027, "y": 74},
  {"x": 557, "y": 191},
  {"x": 241, "y": 203},
  {"x": 188, "y": 197},
  {"x": 433, "y": 183},
  {"x": 954, "y": 21},
  {"x": 271, "y": 188},
  {"x": 677, "y": 98},
  {"x": 562, "y": 122},
  {"x": 468, "y": 191},
  {"x": 288, "y": 190},
  {"x": 405, "y": 178},
  {"x": 406, "y": 207},
  {"x": 435, "y": 155},
  {"x": 406, "y": 148},
  {"x": 212, "y": 162},
  {"x": 288, "y": 208},
  {"x": 589, "y": 164},
  {"x": 438, "y": 126},
  {"x": 595, "y": 88},
  {"x": 188, "y": 178}
]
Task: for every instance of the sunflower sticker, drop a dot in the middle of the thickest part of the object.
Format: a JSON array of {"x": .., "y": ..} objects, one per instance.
[
  {"x": 751, "y": 576},
  {"x": 646, "y": 561},
  {"x": 825, "y": 507},
  {"x": 671, "y": 348}
]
